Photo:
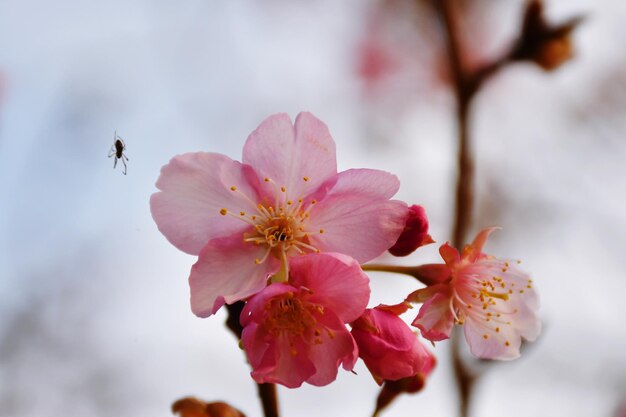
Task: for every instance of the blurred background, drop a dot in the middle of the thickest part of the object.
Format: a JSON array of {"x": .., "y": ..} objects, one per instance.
[{"x": 94, "y": 302}]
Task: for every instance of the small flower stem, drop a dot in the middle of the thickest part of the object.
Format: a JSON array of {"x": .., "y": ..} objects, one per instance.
[
  {"x": 406, "y": 270},
  {"x": 267, "y": 392},
  {"x": 269, "y": 399}
]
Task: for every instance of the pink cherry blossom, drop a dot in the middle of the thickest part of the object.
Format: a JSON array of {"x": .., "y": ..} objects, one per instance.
[
  {"x": 244, "y": 220},
  {"x": 494, "y": 300},
  {"x": 295, "y": 332},
  {"x": 388, "y": 347}
]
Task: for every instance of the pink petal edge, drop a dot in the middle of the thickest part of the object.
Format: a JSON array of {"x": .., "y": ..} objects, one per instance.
[
  {"x": 214, "y": 281},
  {"x": 194, "y": 188}
]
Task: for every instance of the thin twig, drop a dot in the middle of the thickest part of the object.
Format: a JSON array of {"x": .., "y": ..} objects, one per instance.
[
  {"x": 267, "y": 392},
  {"x": 465, "y": 88}
]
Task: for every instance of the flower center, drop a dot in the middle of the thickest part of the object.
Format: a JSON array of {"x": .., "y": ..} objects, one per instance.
[
  {"x": 288, "y": 315},
  {"x": 280, "y": 226},
  {"x": 484, "y": 296},
  {"x": 295, "y": 319}
]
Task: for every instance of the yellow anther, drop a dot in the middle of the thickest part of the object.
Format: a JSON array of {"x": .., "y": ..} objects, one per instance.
[
  {"x": 242, "y": 213},
  {"x": 289, "y": 202},
  {"x": 233, "y": 188},
  {"x": 266, "y": 179},
  {"x": 313, "y": 201},
  {"x": 321, "y": 231},
  {"x": 504, "y": 297},
  {"x": 223, "y": 212},
  {"x": 305, "y": 178},
  {"x": 497, "y": 330},
  {"x": 283, "y": 189},
  {"x": 507, "y": 343},
  {"x": 485, "y": 336}
]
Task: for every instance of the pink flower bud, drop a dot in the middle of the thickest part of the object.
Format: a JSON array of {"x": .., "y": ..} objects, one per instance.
[
  {"x": 390, "y": 350},
  {"x": 415, "y": 233}
]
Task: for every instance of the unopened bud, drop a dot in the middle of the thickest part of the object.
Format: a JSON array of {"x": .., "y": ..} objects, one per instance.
[
  {"x": 545, "y": 44},
  {"x": 193, "y": 407},
  {"x": 415, "y": 233}
]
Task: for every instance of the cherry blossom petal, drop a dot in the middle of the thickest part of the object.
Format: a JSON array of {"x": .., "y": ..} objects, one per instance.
[
  {"x": 336, "y": 281},
  {"x": 194, "y": 188},
  {"x": 449, "y": 254},
  {"x": 472, "y": 252},
  {"x": 435, "y": 318},
  {"x": 260, "y": 348},
  {"x": 488, "y": 344},
  {"x": 357, "y": 225},
  {"x": 423, "y": 294},
  {"x": 299, "y": 158},
  {"x": 278, "y": 365},
  {"x": 340, "y": 348},
  {"x": 526, "y": 322},
  {"x": 373, "y": 182},
  {"x": 226, "y": 272}
]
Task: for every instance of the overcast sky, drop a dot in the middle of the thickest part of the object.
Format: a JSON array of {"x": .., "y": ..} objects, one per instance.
[{"x": 94, "y": 302}]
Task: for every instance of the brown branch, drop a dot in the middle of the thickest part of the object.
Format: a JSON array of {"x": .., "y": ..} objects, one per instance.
[
  {"x": 544, "y": 44},
  {"x": 465, "y": 87},
  {"x": 267, "y": 392}
]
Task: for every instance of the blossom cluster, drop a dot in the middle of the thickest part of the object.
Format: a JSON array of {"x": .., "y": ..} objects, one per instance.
[{"x": 287, "y": 234}]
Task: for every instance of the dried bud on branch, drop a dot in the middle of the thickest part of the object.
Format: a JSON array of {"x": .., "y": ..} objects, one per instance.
[
  {"x": 547, "y": 45},
  {"x": 193, "y": 407}
]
